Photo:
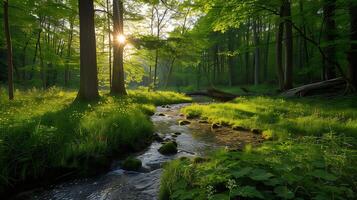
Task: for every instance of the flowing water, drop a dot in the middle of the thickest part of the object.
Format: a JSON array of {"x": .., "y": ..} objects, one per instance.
[{"x": 127, "y": 185}]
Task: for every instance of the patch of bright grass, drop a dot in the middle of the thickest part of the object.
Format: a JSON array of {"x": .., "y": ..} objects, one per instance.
[
  {"x": 284, "y": 118},
  {"x": 42, "y": 131},
  {"x": 313, "y": 154}
]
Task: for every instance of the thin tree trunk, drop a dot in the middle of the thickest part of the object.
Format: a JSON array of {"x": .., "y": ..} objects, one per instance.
[
  {"x": 110, "y": 45},
  {"x": 69, "y": 52},
  {"x": 330, "y": 37},
  {"x": 288, "y": 84},
  {"x": 232, "y": 71},
  {"x": 9, "y": 51},
  {"x": 88, "y": 58},
  {"x": 24, "y": 55},
  {"x": 352, "y": 54},
  {"x": 247, "y": 63},
  {"x": 266, "y": 62},
  {"x": 42, "y": 67},
  {"x": 170, "y": 72},
  {"x": 257, "y": 53},
  {"x": 279, "y": 49},
  {"x": 155, "y": 67}
]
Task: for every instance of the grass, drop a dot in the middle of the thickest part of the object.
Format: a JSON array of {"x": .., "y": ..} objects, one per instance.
[
  {"x": 284, "y": 118},
  {"x": 43, "y": 132},
  {"x": 312, "y": 154}
]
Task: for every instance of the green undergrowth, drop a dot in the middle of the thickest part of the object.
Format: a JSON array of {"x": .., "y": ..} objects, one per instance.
[
  {"x": 44, "y": 131},
  {"x": 312, "y": 154},
  {"x": 307, "y": 168},
  {"x": 284, "y": 118}
]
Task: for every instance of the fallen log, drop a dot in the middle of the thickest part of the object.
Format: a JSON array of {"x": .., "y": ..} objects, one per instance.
[
  {"x": 333, "y": 87},
  {"x": 215, "y": 94}
]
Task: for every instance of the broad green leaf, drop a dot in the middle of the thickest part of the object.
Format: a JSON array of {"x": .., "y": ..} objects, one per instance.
[
  {"x": 284, "y": 192},
  {"x": 247, "y": 191},
  {"x": 318, "y": 173},
  {"x": 242, "y": 172},
  {"x": 220, "y": 196},
  {"x": 260, "y": 175}
]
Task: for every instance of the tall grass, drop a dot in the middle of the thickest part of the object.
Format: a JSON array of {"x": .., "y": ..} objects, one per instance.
[{"x": 47, "y": 131}]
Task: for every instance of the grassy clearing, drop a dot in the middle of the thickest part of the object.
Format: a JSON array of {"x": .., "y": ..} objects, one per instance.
[
  {"x": 44, "y": 132},
  {"x": 283, "y": 118},
  {"x": 312, "y": 156}
]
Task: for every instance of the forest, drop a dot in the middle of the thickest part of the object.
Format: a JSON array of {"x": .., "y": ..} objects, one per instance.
[{"x": 178, "y": 99}]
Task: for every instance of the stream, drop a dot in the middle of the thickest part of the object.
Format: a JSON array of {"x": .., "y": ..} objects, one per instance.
[{"x": 119, "y": 184}]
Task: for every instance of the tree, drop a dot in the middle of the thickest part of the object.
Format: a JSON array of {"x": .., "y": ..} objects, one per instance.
[
  {"x": 256, "y": 53},
  {"x": 329, "y": 9},
  {"x": 352, "y": 54},
  {"x": 279, "y": 49},
  {"x": 288, "y": 83},
  {"x": 118, "y": 84},
  {"x": 10, "y": 65},
  {"x": 88, "y": 59}
]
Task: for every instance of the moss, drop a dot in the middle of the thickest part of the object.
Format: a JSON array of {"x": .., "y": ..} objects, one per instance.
[
  {"x": 184, "y": 122},
  {"x": 168, "y": 148},
  {"x": 131, "y": 164}
]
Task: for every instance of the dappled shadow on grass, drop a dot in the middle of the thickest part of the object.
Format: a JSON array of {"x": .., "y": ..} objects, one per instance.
[{"x": 284, "y": 117}]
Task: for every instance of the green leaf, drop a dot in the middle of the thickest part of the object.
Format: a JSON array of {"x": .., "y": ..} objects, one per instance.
[
  {"x": 318, "y": 173},
  {"x": 284, "y": 192},
  {"x": 221, "y": 196},
  {"x": 242, "y": 172},
  {"x": 260, "y": 175},
  {"x": 247, "y": 191}
]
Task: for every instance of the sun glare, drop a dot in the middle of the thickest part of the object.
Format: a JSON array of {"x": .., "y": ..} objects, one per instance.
[{"x": 121, "y": 39}]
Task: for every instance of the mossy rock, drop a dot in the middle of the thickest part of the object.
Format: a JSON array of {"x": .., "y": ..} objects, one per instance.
[
  {"x": 184, "y": 122},
  {"x": 216, "y": 126},
  {"x": 168, "y": 148},
  {"x": 257, "y": 131},
  {"x": 131, "y": 164},
  {"x": 203, "y": 121}
]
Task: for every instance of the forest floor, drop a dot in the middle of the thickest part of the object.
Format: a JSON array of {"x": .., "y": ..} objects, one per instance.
[
  {"x": 309, "y": 152},
  {"x": 45, "y": 135}
]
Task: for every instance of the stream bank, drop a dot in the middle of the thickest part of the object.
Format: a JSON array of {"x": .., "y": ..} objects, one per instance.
[{"x": 195, "y": 139}]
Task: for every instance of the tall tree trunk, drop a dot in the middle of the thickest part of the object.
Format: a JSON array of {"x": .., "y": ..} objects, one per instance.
[
  {"x": 266, "y": 61},
  {"x": 155, "y": 68},
  {"x": 352, "y": 54},
  {"x": 88, "y": 56},
  {"x": 330, "y": 31},
  {"x": 257, "y": 53},
  {"x": 110, "y": 44},
  {"x": 288, "y": 84},
  {"x": 9, "y": 51},
  {"x": 279, "y": 49},
  {"x": 247, "y": 63},
  {"x": 35, "y": 56},
  {"x": 24, "y": 56},
  {"x": 170, "y": 72},
  {"x": 69, "y": 52},
  {"x": 118, "y": 84},
  {"x": 232, "y": 69},
  {"x": 42, "y": 67}
]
